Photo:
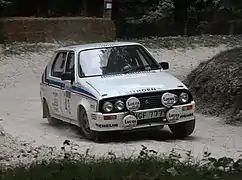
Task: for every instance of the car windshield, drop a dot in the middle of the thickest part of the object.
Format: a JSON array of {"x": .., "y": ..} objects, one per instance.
[{"x": 115, "y": 60}]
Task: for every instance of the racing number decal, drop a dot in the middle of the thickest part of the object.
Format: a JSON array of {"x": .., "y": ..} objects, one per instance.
[
  {"x": 67, "y": 105},
  {"x": 55, "y": 103},
  {"x": 67, "y": 101}
]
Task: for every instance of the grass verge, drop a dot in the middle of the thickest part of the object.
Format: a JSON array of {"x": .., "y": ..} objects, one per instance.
[{"x": 148, "y": 165}]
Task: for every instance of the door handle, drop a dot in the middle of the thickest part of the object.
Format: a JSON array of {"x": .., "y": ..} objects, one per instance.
[{"x": 62, "y": 86}]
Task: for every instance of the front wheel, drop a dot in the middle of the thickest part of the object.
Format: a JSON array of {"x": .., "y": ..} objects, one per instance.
[
  {"x": 184, "y": 129},
  {"x": 85, "y": 128}
]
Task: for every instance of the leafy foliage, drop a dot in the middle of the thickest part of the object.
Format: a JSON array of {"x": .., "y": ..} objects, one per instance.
[
  {"x": 147, "y": 165},
  {"x": 163, "y": 10},
  {"x": 137, "y": 11},
  {"x": 4, "y": 3}
]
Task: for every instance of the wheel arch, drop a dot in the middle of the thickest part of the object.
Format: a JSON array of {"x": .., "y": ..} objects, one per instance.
[
  {"x": 80, "y": 107},
  {"x": 83, "y": 104}
]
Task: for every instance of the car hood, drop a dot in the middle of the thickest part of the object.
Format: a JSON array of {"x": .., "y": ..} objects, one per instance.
[{"x": 134, "y": 83}]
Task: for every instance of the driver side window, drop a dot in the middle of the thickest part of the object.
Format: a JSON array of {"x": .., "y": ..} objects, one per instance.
[
  {"x": 58, "y": 65},
  {"x": 70, "y": 63}
]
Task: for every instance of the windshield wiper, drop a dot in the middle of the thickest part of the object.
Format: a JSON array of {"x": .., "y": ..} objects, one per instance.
[{"x": 141, "y": 68}]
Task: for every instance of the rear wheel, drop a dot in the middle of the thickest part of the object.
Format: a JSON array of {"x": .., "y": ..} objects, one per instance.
[
  {"x": 85, "y": 128},
  {"x": 51, "y": 120},
  {"x": 184, "y": 129}
]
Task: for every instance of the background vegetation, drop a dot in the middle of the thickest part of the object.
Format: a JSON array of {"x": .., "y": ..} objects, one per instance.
[
  {"x": 147, "y": 165},
  {"x": 166, "y": 17}
]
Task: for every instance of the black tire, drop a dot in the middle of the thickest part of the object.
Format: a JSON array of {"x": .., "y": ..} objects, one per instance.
[
  {"x": 184, "y": 129},
  {"x": 51, "y": 120},
  {"x": 85, "y": 128}
]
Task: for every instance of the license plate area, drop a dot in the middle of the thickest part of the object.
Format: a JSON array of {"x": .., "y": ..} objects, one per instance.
[{"x": 152, "y": 114}]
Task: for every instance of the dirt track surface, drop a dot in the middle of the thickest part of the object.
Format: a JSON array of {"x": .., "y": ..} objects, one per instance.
[{"x": 20, "y": 110}]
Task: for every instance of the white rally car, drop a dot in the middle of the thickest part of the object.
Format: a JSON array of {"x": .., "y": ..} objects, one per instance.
[{"x": 114, "y": 86}]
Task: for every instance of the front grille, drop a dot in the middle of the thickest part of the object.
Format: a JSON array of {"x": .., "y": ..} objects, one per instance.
[{"x": 149, "y": 100}]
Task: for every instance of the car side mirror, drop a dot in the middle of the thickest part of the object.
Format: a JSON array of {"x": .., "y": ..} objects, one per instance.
[
  {"x": 164, "y": 65},
  {"x": 67, "y": 76}
]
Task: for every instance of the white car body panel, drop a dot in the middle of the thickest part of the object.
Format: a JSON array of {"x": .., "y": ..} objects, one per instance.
[
  {"x": 123, "y": 84},
  {"x": 89, "y": 91}
]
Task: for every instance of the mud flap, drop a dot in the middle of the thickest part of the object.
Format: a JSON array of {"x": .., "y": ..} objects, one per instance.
[{"x": 44, "y": 114}]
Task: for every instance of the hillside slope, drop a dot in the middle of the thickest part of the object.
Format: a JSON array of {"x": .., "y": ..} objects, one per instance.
[{"x": 217, "y": 85}]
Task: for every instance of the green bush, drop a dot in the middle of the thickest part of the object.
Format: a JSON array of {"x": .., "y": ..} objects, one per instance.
[{"x": 148, "y": 165}]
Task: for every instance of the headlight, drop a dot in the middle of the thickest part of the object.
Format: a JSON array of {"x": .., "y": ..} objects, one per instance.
[
  {"x": 183, "y": 98},
  {"x": 119, "y": 105},
  {"x": 107, "y": 106}
]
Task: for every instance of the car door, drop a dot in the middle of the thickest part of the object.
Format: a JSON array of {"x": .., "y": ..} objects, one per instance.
[
  {"x": 55, "y": 83},
  {"x": 66, "y": 96}
]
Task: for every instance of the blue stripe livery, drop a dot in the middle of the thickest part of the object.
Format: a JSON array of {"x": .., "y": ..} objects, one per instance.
[
  {"x": 55, "y": 83},
  {"x": 74, "y": 88}
]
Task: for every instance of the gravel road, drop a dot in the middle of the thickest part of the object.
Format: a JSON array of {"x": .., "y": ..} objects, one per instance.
[{"x": 31, "y": 136}]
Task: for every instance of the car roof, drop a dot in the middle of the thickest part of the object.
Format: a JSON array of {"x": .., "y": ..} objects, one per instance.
[{"x": 81, "y": 47}]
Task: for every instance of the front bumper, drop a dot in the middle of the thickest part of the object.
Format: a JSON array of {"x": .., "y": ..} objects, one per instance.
[{"x": 115, "y": 121}]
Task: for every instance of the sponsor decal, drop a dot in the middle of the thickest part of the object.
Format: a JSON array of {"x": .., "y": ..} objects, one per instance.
[
  {"x": 133, "y": 104},
  {"x": 169, "y": 99},
  {"x": 130, "y": 121},
  {"x": 92, "y": 106},
  {"x": 186, "y": 115},
  {"x": 142, "y": 90},
  {"x": 173, "y": 115},
  {"x": 55, "y": 102},
  {"x": 106, "y": 125},
  {"x": 67, "y": 102},
  {"x": 94, "y": 117}
]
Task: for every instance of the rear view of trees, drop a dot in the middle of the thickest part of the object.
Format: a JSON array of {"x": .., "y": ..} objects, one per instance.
[
  {"x": 153, "y": 10},
  {"x": 3, "y": 3},
  {"x": 52, "y": 8},
  {"x": 130, "y": 13},
  {"x": 141, "y": 10}
]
